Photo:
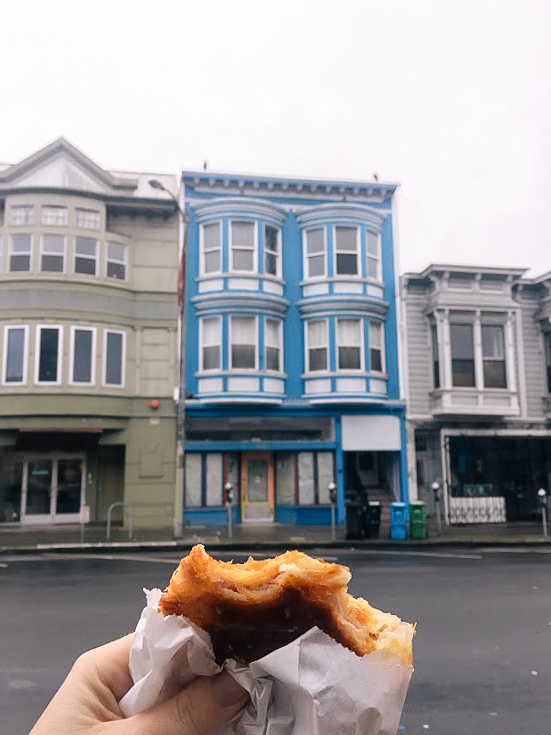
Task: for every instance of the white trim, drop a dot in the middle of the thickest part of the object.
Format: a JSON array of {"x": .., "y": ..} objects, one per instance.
[
  {"x": 93, "y": 330},
  {"x": 307, "y": 278},
  {"x": 232, "y": 370},
  {"x": 42, "y": 252},
  {"x": 59, "y": 365},
  {"x": 7, "y": 328},
  {"x": 247, "y": 249},
  {"x": 104, "y": 382},
  {"x": 202, "y": 369},
  {"x": 202, "y": 251}
]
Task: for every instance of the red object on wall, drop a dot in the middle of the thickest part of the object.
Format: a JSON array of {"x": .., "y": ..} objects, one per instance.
[{"x": 154, "y": 404}]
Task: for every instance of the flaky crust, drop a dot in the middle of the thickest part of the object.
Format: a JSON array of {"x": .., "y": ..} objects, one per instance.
[{"x": 253, "y": 608}]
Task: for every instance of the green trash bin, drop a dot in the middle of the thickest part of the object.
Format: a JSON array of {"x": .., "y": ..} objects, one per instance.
[{"x": 418, "y": 519}]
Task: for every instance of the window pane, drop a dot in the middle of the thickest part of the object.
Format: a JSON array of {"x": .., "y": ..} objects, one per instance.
[
  {"x": 82, "y": 356},
  {"x": 20, "y": 243},
  {"x": 113, "y": 359},
  {"x": 20, "y": 263},
  {"x": 116, "y": 251},
  {"x": 242, "y": 260},
  {"x": 462, "y": 341},
  {"x": 87, "y": 218},
  {"x": 492, "y": 341},
  {"x": 211, "y": 236},
  {"x": 495, "y": 374},
  {"x": 211, "y": 358},
  {"x": 306, "y": 495},
  {"x": 347, "y": 265},
  {"x": 53, "y": 244},
  {"x": 376, "y": 360},
  {"x": 375, "y": 334},
  {"x": 51, "y": 264},
  {"x": 435, "y": 357},
  {"x": 316, "y": 266},
  {"x": 317, "y": 359},
  {"x": 86, "y": 246},
  {"x": 116, "y": 270},
  {"x": 272, "y": 331},
  {"x": 346, "y": 238},
  {"x": 243, "y": 356},
  {"x": 373, "y": 268},
  {"x": 86, "y": 266},
  {"x": 285, "y": 478},
  {"x": 349, "y": 358},
  {"x": 271, "y": 238},
  {"x": 212, "y": 261},
  {"x": 348, "y": 331},
  {"x": 315, "y": 241},
  {"x": 317, "y": 333},
  {"x": 271, "y": 264},
  {"x": 54, "y": 215},
  {"x": 325, "y": 476},
  {"x": 47, "y": 366},
  {"x": 193, "y": 480},
  {"x": 15, "y": 358},
  {"x": 272, "y": 358},
  {"x": 23, "y": 215},
  {"x": 242, "y": 233},
  {"x": 372, "y": 243},
  {"x": 214, "y": 479},
  {"x": 243, "y": 330},
  {"x": 211, "y": 331}
]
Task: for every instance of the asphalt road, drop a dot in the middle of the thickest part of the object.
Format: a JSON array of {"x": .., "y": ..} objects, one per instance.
[{"x": 482, "y": 651}]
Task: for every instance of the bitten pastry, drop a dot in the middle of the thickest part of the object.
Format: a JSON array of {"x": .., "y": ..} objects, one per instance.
[{"x": 253, "y": 608}]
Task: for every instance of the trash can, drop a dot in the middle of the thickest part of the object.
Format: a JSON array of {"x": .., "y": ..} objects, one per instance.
[
  {"x": 398, "y": 521},
  {"x": 373, "y": 519},
  {"x": 418, "y": 519},
  {"x": 354, "y": 520}
]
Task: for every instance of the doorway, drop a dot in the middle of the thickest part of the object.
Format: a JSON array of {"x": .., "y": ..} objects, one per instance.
[
  {"x": 257, "y": 487},
  {"x": 52, "y": 488}
]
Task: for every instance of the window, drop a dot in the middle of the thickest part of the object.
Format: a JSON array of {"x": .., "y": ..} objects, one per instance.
[
  {"x": 211, "y": 343},
  {"x": 83, "y": 343},
  {"x": 493, "y": 356},
  {"x": 14, "y": 368},
  {"x": 23, "y": 215},
  {"x": 271, "y": 251},
  {"x": 346, "y": 249},
  {"x": 20, "y": 253},
  {"x": 211, "y": 262},
  {"x": 48, "y": 352},
  {"x": 242, "y": 246},
  {"x": 547, "y": 340},
  {"x": 86, "y": 256},
  {"x": 373, "y": 246},
  {"x": 435, "y": 356},
  {"x": 113, "y": 358},
  {"x": 117, "y": 255},
  {"x": 52, "y": 253},
  {"x": 87, "y": 219},
  {"x": 204, "y": 478},
  {"x": 315, "y": 472},
  {"x": 243, "y": 342},
  {"x": 349, "y": 343},
  {"x": 461, "y": 336},
  {"x": 317, "y": 343},
  {"x": 315, "y": 253},
  {"x": 272, "y": 344},
  {"x": 376, "y": 352},
  {"x": 54, "y": 216}
]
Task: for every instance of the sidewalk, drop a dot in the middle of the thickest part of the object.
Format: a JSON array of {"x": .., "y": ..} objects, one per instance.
[{"x": 72, "y": 538}]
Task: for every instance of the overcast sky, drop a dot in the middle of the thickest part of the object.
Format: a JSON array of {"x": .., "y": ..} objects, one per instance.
[{"x": 450, "y": 98}]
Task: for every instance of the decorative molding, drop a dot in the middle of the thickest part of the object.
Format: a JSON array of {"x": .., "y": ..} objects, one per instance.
[
  {"x": 241, "y": 207},
  {"x": 331, "y": 213}
]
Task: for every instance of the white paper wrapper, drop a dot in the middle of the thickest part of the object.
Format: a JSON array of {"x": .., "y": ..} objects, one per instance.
[{"x": 312, "y": 686}]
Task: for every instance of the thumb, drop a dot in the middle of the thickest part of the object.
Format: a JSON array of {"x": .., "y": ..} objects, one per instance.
[{"x": 200, "y": 709}]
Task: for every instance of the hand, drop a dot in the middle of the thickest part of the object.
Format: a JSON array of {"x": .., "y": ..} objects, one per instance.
[{"x": 87, "y": 701}]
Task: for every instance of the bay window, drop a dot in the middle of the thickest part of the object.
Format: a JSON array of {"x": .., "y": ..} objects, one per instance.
[
  {"x": 211, "y": 343},
  {"x": 317, "y": 345},
  {"x": 272, "y": 344},
  {"x": 315, "y": 253},
  {"x": 271, "y": 251},
  {"x": 242, "y": 238},
  {"x": 349, "y": 344},
  {"x": 211, "y": 260},
  {"x": 376, "y": 351},
  {"x": 346, "y": 251},
  {"x": 243, "y": 341}
]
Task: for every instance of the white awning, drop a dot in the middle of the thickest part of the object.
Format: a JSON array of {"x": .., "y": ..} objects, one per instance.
[{"x": 371, "y": 434}]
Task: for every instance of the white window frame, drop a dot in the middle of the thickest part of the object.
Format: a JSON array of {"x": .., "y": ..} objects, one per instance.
[
  {"x": 203, "y": 271},
  {"x": 22, "y": 214},
  {"x": 337, "y": 252},
  {"x": 42, "y": 252},
  {"x": 104, "y": 382},
  {"x": 7, "y": 329},
  {"x": 380, "y": 326},
  {"x": 275, "y": 253},
  {"x": 84, "y": 221},
  {"x": 231, "y": 343},
  {"x": 279, "y": 345},
  {"x": 373, "y": 257},
  {"x": 52, "y": 214},
  {"x": 233, "y": 247},
  {"x": 359, "y": 346},
  {"x": 307, "y": 348},
  {"x": 92, "y": 380},
  {"x": 29, "y": 252},
  {"x": 85, "y": 257},
  {"x": 202, "y": 344},
  {"x": 59, "y": 371},
  {"x": 115, "y": 261},
  {"x": 307, "y": 256}
]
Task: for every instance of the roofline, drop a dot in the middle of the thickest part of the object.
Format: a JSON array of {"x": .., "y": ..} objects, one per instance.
[
  {"x": 463, "y": 268},
  {"x": 346, "y": 183}
]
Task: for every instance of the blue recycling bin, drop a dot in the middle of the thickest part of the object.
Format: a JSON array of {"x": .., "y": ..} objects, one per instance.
[{"x": 398, "y": 521}]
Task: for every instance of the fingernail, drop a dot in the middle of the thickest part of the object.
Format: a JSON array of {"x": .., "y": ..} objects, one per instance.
[{"x": 226, "y": 690}]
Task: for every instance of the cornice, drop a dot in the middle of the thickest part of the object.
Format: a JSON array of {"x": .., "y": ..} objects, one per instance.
[
  {"x": 348, "y": 212},
  {"x": 329, "y": 305},
  {"x": 227, "y": 302},
  {"x": 242, "y": 206}
]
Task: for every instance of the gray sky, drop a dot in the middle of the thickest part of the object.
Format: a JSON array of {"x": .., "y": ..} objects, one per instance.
[{"x": 452, "y": 99}]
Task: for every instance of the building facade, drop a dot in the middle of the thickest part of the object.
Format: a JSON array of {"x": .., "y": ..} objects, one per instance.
[
  {"x": 291, "y": 374},
  {"x": 477, "y": 348},
  {"x": 88, "y": 341}
]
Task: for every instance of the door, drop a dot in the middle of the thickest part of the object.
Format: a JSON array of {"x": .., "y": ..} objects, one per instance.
[
  {"x": 257, "y": 487},
  {"x": 52, "y": 489}
]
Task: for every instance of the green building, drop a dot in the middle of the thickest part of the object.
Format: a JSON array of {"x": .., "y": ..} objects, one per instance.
[{"x": 88, "y": 341}]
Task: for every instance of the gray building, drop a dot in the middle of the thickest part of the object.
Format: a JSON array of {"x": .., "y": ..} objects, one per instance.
[
  {"x": 477, "y": 367},
  {"x": 88, "y": 341}
]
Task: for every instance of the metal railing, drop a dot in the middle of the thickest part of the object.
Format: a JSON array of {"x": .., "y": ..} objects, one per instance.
[{"x": 130, "y": 523}]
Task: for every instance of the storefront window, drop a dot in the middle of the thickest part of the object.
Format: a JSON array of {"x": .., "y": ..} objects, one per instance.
[{"x": 285, "y": 478}]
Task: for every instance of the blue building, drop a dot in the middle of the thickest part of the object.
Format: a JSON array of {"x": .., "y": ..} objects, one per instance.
[{"x": 292, "y": 375}]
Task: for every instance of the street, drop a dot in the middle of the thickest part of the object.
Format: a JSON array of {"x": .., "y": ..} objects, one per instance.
[{"x": 482, "y": 650}]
